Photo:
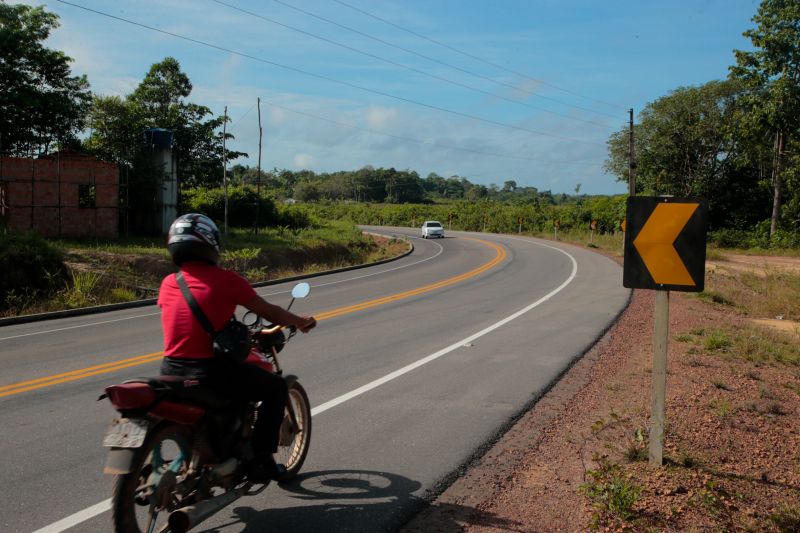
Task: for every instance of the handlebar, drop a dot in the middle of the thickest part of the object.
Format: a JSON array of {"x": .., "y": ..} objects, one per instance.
[{"x": 274, "y": 329}]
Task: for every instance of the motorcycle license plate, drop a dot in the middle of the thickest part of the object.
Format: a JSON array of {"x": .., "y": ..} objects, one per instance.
[{"x": 126, "y": 433}]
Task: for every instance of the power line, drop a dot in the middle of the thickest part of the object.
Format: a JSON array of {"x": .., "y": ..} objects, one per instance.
[
  {"x": 326, "y": 78},
  {"x": 471, "y": 56},
  {"x": 394, "y": 63},
  {"x": 450, "y": 65},
  {"x": 244, "y": 115}
]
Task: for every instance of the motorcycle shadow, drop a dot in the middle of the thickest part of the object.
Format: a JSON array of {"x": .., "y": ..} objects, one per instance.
[{"x": 349, "y": 500}]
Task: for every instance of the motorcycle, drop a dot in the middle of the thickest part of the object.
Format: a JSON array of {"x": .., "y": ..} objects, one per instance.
[{"x": 177, "y": 449}]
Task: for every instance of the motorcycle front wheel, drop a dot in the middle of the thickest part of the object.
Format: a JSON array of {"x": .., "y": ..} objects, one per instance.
[
  {"x": 143, "y": 498},
  {"x": 295, "y": 436}
]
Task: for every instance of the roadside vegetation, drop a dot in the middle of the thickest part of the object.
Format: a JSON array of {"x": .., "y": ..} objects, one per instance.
[{"x": 41, "y": 275}]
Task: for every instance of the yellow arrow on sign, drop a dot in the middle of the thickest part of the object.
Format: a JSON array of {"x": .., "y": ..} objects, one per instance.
[{"x": 655, "y": 243}]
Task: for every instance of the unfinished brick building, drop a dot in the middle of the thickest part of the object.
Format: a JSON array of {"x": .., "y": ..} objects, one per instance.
[{"x": 67, "y": 194}]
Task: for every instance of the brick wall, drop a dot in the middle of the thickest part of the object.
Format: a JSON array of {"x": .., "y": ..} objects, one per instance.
[{"x": 43, "y": 195}]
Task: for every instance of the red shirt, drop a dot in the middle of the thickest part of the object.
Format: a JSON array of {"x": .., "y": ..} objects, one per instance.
[{"x": 217, "y": 291}]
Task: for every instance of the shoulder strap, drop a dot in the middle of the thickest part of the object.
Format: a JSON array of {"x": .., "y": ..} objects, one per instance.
[{"x": 193, "y": 305}]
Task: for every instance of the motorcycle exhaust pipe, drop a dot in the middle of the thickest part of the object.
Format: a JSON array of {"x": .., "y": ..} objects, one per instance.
[{"x": 183, "y": 519}]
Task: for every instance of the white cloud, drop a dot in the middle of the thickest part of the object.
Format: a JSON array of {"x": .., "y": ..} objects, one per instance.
[
  {"x": 379, "y": 117},
  {"x": 303, "y": 161}
]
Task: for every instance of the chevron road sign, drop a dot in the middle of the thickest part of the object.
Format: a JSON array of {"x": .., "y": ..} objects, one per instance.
[{"x": 665, "y": 243}]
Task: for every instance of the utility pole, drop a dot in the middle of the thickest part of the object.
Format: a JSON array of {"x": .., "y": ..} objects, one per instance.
[
  {"x": 225, "y": 171},
  {"x": 631, "y": 159},
  {"x": 258, "y": 181}
]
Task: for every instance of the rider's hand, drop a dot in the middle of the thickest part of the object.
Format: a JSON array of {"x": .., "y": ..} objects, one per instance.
[{"x": 306, "y": 323}]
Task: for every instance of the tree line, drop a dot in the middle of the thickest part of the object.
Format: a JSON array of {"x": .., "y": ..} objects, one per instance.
[
  {"x": 386, "y": 185},
  {"x": 735, "y": 142}
]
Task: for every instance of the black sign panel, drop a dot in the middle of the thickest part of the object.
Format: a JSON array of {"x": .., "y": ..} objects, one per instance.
[{"x": 665, "y": 243}]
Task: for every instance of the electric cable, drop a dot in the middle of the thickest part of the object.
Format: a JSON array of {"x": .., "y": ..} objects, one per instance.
[
  {"x": 471, "y": 56},
  {"x": 450, "y": 65},
  {"x": 401, "y": 65},
  {"x": 326, "y": 78}
]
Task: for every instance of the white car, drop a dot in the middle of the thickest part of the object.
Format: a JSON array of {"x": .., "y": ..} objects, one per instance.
[{"x": 432, "y": 228}]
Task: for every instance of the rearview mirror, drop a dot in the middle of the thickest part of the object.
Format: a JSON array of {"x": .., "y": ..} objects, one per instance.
[{"x": 301, "y": 290}]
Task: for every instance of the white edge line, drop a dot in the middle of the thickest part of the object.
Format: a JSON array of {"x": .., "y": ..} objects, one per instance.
[
  {"x": 77, "y": 518},
  {"x": 94, "y": 510},
  {"x": 444, "y": 351},
  {"x": 77, "y": 326}
]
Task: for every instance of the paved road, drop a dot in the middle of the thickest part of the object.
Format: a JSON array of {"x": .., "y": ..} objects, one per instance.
[{"x": 476, "y": 324}]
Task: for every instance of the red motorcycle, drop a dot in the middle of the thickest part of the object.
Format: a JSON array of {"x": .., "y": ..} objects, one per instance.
[{"x": 177, "y": 448}]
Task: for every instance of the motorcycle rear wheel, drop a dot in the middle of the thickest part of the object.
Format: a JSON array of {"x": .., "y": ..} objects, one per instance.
[
  {"x": 133, "y": 507},
  {"x": 295, "y": 438}
]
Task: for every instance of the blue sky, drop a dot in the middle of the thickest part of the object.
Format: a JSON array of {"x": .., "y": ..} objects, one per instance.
[{"x": 364, "y": 92}]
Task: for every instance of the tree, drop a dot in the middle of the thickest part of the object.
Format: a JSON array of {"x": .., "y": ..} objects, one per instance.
[
  {"x": 159, "y": 101},
  {"x": 41, "y": 103},
  {"x": 691, "y": 143},
  {"x": 771, "y": 73}
]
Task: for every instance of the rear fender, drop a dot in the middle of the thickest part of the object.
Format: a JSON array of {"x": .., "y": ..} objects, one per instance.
[
  {"x": 131, "y": 395},
  {"x": 119, "y": 461},
  {"x": 140, "y": 397}
]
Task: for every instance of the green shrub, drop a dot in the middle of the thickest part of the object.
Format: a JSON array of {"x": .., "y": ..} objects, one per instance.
[
  {"x": 82, "y": 292},
  {"x": 29, "y": 266},
  {"x": 242, "y": 203},
  {"x": 610, "y": 491},
  {"x": 121, "y": 294}
]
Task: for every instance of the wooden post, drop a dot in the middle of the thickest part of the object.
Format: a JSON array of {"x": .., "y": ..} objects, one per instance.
[
  {"x": 258, "y": 180},
  {"x": 225, "y": 170},
  {"x": 631, "y": 159},
  {"x": 659, "y": 377}
]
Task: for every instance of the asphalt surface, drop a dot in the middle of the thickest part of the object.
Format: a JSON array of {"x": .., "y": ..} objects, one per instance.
[{"x": 473, "y": 326}]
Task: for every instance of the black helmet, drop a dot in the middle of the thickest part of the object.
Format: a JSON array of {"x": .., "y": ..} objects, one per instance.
[{"x": 193, "y": 237}]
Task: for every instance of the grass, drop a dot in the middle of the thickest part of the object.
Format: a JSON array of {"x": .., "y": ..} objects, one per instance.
[
  {"x": 720, "y": 253},
  {"x": 82, "y": 292},
  {"x": 771, "y": 294},
  {"x": 132, "y": 268},
  {"x": 787, "y": 517},
  {"x": 637, "y": 447},
  {"x": 793, "y": 386},
  {"x": 756, "y": 345},
  {"x": 721, "y": 385},
  {"x": 716, "y": 340},
  {"x": 612, "y": 494},
  {"x": 715, "y": 297},
  {"x": 720, "y": 407}
]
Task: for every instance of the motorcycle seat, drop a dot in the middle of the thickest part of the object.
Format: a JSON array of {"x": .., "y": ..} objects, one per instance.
[{"x": 184, "y": 389}]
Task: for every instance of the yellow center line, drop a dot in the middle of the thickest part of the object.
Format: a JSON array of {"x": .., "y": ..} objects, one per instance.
[{"x": 33, "y": 384}]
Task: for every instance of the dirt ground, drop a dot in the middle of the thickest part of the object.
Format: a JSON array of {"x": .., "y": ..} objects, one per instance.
[{"x": 578, "y": 460}]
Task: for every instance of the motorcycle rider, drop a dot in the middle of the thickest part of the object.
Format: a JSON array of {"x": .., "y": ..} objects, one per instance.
[{"x": 193, "y": 244}]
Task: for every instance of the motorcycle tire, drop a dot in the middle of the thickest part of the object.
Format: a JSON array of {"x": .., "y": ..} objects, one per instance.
[
  {"x": 295, "y": 439},
  {"x": 132, "y": 510}
]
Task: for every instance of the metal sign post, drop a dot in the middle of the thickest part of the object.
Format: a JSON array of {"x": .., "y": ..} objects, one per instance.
[
  {"x": 664, "y": 249},
  {"x": 659, "y": 376}
]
